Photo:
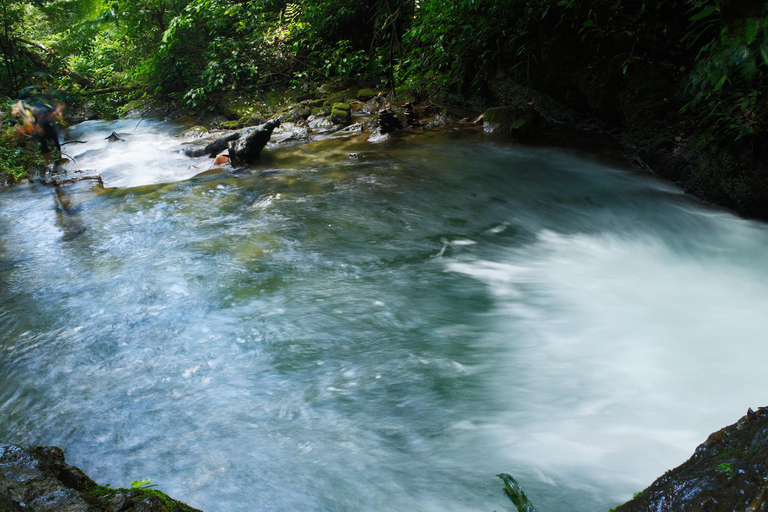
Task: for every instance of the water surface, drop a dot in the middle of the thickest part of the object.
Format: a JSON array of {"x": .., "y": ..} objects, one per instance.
[{"x": 382, "y": 333}]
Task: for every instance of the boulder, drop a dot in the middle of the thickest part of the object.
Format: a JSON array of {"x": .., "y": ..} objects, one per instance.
[
  {"x": 729, "y": 471},
  {"x": 365, "y": 94},
  {"x": 374, "y": 104},
  {"x": 388, "y": 121},
  {"x": 341, "y": 113}
]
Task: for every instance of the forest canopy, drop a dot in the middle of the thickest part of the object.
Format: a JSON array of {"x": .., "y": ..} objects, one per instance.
[{"x": 197, "y": 54}]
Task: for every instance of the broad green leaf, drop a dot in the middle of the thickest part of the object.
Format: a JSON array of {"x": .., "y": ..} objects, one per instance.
[{"x": 707, "y": 11}]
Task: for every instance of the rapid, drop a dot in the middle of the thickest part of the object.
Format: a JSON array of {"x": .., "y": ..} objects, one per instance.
[{"x": 385, "y": 332}]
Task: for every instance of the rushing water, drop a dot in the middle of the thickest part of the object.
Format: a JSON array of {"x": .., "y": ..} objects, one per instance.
[{"x": 382, "y": 333}]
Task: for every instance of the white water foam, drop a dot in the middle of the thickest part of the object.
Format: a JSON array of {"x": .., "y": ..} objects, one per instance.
[{"x": 621, "y": 355}]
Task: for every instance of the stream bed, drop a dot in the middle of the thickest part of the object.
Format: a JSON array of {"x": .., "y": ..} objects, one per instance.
[{"x": 385, "y": 332}]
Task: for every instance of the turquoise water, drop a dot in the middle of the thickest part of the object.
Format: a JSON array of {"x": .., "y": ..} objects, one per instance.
[{"x": 382, "y": 333}]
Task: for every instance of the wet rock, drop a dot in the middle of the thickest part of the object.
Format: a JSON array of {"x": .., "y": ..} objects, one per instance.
[
  {"x": 300, "y": 112},
  {"x": 374, "y": 105},
  {"x": 320, "y": 124},
  {"x": 442, "y": 118},
  {"x": 388, "y": 121},
  {"x": 196, "y": 132},
  {"x": 729, "y": 471},
  {"x": 63, "y": 178},
  {"x": 518, "y": 121},
  {"x": 411, "y": 116},
  {"x": 377, "y": 136},
  {"x": 113, "y": 137},
  {"x": 341, "y": 113},
  {"x": 39, "y": 479},
  {"x": 353, "y": 128},
  {"x": 365, "y": 94}
]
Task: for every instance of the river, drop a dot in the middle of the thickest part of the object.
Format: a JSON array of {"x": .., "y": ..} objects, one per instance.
[{"x": 383, "y": 333}]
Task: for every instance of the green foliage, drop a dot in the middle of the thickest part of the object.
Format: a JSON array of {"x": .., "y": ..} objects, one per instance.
[
  {"x": 726, "y": 467},
  {"x": 729, "y": 81},
  {"x": 142, "y": 484},
  {"x": 19, "y": 155}
]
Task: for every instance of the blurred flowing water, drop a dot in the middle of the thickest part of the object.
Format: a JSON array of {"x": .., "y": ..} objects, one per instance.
[{"x": 384, "y": 333}]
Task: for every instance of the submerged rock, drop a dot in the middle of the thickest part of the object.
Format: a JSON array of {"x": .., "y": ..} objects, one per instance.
[
  {"x": 39, "y": 479},
  {"x": 729, "y": 471},
  {"x": 63, "y": 178}
]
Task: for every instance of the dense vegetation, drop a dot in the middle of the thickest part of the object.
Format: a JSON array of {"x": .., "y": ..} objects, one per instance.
[{"x": 700, "y": 62}]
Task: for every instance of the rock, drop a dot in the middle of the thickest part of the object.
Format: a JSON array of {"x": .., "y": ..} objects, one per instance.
[
  {"x": 388, "y": 121},
  {"x": 247, "y": 148},
  {"x": 729, "y": 471},
  {"x": 411, "y": 116},
  {"x": 300, "y": 112},
  {"x": 374, "y": 105},
  {"x": 517, "y": 121},
  {"x": 113, "y": 137},
  {"x": 365, "y": 94},
  {"x": 341, "y": 113},
  {"x": 353, "y": 128},
  {"x": 196, "y": 132},
  {"x": 253, "y": 120},
  {"x": 39, "y": 479},
  {"x": 442, "y": 118},
  {"x": 64, "y": 178},
  {"x": 377, "y": 136},
  {"x": 320, "y": 124}
]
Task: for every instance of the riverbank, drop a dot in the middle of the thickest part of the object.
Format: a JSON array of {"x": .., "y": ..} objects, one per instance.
[{"x": 38, "y": 479}]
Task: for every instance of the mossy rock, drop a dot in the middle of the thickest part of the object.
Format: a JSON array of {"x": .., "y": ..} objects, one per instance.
[
  {"x": 231, "y": 125},
  {"x": 338, "y": 97},
  {"x": 341, "y": 113},
  {"x": 301, "y": 112},
  {"x": 314, "y": 103},
  {"x": 125, "y": 498},
  {"x": 321, "y": 111},
  {"x": 365, "y": 94}
]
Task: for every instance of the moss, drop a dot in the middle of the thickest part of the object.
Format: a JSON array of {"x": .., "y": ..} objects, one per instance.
[
  {"x": 365, "y": 94},
  {"x": 107, "y": 493},
  {"x": 231, "y": 125},
  {"x": 321, "y": 111},
  {"x": 341, "y": 113}
]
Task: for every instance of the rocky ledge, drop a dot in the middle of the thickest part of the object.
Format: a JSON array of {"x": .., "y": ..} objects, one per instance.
[
  {"x": 39, "y": 480},
  {"x": 729, "y": 471}
]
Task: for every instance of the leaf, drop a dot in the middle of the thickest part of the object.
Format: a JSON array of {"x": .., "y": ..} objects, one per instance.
[
  {"x": 707, "y": 11},
  {"x": 516, "y": 494},
  {"x": 138, "y": 484},
  {"x": 719, "y": 84}
]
